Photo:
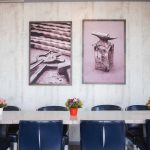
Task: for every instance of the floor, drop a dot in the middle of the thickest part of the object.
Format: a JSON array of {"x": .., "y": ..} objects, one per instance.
[{"x": 74, "y": 147}]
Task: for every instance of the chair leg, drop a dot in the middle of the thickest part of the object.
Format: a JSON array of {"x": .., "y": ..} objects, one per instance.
[
  {"x": 129, "y": 145},
  {"x": 66, "y": 147}
]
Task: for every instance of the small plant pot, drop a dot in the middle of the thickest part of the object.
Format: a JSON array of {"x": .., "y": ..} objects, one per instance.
[
  {"x": 73, "y": 111},
  {"x": 1, "y": 111}
]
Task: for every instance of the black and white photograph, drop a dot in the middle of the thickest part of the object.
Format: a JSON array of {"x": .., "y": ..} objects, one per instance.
[
  {"x": 104, "y": 43},
  {"x": 50, "y": 53}
]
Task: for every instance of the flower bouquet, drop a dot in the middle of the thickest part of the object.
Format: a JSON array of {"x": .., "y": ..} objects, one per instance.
[
  {"x": 2, "y": 105},
  {"x": 73, "y": 104}
]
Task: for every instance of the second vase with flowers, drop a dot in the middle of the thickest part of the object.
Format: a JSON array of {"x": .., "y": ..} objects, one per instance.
[
  {"x": 73, "y": 104},
  {"x": 2, "y": 105}
]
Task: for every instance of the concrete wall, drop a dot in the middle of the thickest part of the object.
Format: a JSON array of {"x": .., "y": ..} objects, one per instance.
[{"x": 14, "y": 53}]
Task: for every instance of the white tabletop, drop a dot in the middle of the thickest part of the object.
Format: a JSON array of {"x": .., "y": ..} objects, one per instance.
[{"x": 13, "y": 117}]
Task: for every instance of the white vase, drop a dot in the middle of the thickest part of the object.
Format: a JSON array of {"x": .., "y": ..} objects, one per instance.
[{"x": 1, "y": 111}]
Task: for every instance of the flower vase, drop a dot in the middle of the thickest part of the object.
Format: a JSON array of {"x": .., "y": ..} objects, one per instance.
[
  {"x": 73, "y": 112},
  {"x": 1, "y": 111}
]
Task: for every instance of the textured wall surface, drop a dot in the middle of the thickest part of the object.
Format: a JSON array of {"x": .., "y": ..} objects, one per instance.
[{"x": 14, "y": 53}]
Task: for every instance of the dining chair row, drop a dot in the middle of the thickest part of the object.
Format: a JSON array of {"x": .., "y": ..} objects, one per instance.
[
  {"x": 95, "y": 135},
  {"x": 134, "y": 132}
]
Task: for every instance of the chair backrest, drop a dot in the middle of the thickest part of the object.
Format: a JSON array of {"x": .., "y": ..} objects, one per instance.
[
  {"x": 91, "y": 133},
  {"x": 3, "y": 131},
  {"x": 102, "y": 135},
  {"x": 4, "y": 141},
  {"x": 40, "y": 135},
  {"x": 106, "y": 107},
  {"x": 136, "y": 107},
  {"x": 51, "y": 135},
  {"x": 147, "y": 124},
  {"x": 55, "y": 108},
  {"x": 52, "y": 108},
  {"x": 29, "y": 135},
  {"x": 114, "y": 135},
  {"x": 11, "y": 108}
]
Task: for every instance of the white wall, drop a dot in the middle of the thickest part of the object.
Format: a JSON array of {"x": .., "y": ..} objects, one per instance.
[{"x": 14, "y": 52}]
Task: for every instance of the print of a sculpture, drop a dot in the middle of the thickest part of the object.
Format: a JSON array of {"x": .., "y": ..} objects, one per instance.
[{"x": 104, "y": 51}]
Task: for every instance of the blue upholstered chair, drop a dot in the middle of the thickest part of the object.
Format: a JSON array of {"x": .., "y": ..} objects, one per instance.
[
  {"x": 114, "y": 135},
  {"x": 51, "y": 135},
  {"x": 105, "y": 107},
  {"x": 102, "y": 135},
  {"x": 91, "y": 135},
  {"x": 29, "y": 135},
  {"x": 12, "y": 128},
  {"x": 4, "y": 141},
  {"x": 147, "y": 124},
  {"x": 40, "y": 135},
  {"x": 135, "y": 131},
  {"x": 65, "y": 127}
]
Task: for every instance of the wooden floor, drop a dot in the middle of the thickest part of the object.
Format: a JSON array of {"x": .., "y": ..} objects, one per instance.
[{"x": 74, "y": 147}]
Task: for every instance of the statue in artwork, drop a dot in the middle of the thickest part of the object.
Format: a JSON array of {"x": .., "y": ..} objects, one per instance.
[{"x": 104, "y": 51}]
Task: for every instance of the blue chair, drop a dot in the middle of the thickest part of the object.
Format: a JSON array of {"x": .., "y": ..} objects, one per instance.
[
  {"x": 147, "y": 124},
  {"x": 102, "y": 135},
  {"x": 12, "y": 128},
  {"x": 51, "y": 135},
  {"x": 29, "y": 135},
  {"x": 52, "y": 108},
  {"x": 91, "y": 133},
  {"x": 4, "y": 141},
  {"x": 65, "y": 127},
  {"x": 11, "y": 108},
  {"x": 134, "y": 132},
  {"x": 40, "y": 135},
  {"x": 114, "y": 135},
  {"x": 105, "y": 107}
]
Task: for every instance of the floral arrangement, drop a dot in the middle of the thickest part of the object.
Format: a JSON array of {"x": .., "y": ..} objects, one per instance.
[
  {"x": 74, "y": 103},
  {"x": 148, "y": 102},
  {"x": 2, "y": 103}
]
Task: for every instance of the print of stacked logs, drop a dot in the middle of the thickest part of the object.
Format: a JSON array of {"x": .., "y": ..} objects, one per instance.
[{"x": 50, "y": 53}]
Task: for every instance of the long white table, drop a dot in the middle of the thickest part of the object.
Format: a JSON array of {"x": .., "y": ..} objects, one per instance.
[{"x": 13, "y": 117}]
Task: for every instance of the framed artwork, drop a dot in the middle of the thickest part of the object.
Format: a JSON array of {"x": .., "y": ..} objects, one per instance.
[
  {"x": 50, "y": 53},
  {"x": 104, "y": 51}
]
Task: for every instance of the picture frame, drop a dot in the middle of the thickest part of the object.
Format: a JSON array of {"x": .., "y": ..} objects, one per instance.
[
  {"x": 104, "y": 51},
  {"x": 50, "y": 54}
]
